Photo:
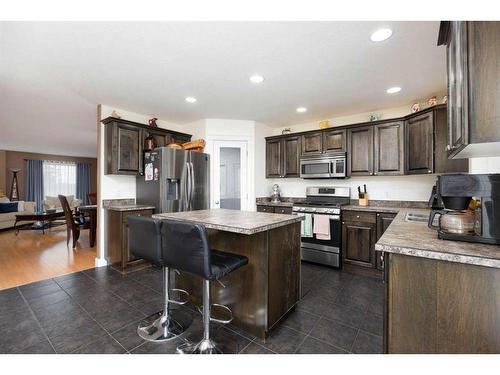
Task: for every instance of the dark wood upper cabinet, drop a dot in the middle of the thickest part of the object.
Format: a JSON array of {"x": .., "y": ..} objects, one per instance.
[
  {"x": 291, "y": 157},
  {"x": 473, "y": 58},
  {"x": 419, "y": 134},
  {"x": 274, "y": 158},
  {"x": 124, "y": 149},
  {"x": 124, "y": 141},
  {"x": 334, "y": 140},
  {"x": 312, "y": 143},
  {"x": 360, "y": 146},
  {"x": 283, "y": 157},
  {"x": 442, "y": 164},
  {"x": 388, "y": 144}
]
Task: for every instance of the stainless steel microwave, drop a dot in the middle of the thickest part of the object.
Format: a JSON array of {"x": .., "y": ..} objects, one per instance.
[{"x": 333, "y": 166}]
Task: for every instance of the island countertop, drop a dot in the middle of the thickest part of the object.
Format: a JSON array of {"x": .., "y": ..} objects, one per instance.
[
  {"x": 243, "y": 222},
  {"x": 416, "y": 239}
]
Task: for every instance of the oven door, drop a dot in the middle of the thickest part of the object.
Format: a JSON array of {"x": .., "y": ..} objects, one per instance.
[
  {"x": 324, "y": 251},
  {"x": 315, "y": 168}
]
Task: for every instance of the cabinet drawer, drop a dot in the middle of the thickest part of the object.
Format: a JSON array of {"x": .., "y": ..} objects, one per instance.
[
  {"x": 359, "y": 216},
  {"x": 268, "y": 209},
  {"x": 145, "y": 213},
  {"x": 283, "y": 210}
]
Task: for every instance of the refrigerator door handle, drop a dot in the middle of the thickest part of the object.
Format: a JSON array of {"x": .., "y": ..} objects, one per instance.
[
  {"x": 192, "y": 186},
  {"x": 187, "y": 197}
]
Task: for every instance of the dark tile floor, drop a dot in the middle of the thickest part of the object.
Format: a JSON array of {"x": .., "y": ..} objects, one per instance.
[{"x": 97, "y": 311}]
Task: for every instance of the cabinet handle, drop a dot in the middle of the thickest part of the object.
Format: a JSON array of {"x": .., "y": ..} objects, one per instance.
[
  {"x": 429, "y": 171},
  {"x": 357, "y": 216},
  {"x": 375, "y": 173},
  {"x": 448, "y": 148},
  {"x": 378, "y": 214},
  {"x": 371, "y": 174}
]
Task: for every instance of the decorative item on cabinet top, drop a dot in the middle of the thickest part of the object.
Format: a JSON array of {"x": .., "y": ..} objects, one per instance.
[
  {"x": 286, "y": 131},
  {"x": 374, "y": 117},
  {"x": 415, "y": 108},
  {"x": 324, "y": 124},
  {"x": 432, "y": 101},
  {"x": 152, "y": 122}
]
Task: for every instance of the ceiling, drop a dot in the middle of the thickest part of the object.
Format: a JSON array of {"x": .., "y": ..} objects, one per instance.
[{"x": 53, "y": 74}]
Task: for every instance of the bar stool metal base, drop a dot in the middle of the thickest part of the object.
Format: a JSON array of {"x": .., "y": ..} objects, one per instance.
[
  {"x": 159, "y": 327},
  {"x": 205, "y": 346}
]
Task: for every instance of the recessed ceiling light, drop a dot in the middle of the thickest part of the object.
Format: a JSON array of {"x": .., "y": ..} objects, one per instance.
[
  {"x": 191, "y": 99},
  {"x": 381, "y": 35},
  {"x": 301, "y": 109},
  {"x": 393, "y": 90},
  {"x": 256, "y": 78}
]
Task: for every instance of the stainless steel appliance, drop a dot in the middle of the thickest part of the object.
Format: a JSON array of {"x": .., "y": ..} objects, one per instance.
[
  {"x": 456, "y": 192},
  {"x": 332, "y": 166},
  {"x": 174, "y": 180},
  {"x": 324, "y": 200}
]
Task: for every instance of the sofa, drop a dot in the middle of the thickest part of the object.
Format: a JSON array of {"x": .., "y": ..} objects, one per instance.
[
  {"x": 8, "y": 219},
  {"x": 51, "y": 203}
]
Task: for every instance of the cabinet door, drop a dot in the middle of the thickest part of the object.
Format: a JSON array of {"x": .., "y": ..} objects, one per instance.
[
  {"x": 420, "y": 144},
  {"x": 291, "y": 157},
  {"x": 457, "y": 87},
  {"x": 358, "y": 243},
  {"x": 312, "y": 143},
  {"x": 484, "y": 78},
  {"x": 334, "y": 141},
  {"x": 360, "y": 157},
  {"x": 383, "y": 222},
  {"x": 388, "y": 149},
  {"x": 129, "y": 149},
  {"x": 441, "y": 162},
  {"x": 274, "y": 157}
]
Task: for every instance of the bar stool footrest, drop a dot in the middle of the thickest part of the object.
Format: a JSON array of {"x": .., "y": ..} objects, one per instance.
[
  {"x": 181, "y": 302},
  {"x": 223, "y": 307}
]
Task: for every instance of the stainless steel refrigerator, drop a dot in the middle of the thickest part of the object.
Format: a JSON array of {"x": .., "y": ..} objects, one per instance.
[{"x": 174, "y": 180}]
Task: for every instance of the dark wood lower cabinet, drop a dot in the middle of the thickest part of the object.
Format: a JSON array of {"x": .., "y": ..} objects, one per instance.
[
  {"x": 358, "y": 238},
  {"x": 120, "y": 257},
  {"x": 274, "y": 209},
  {"x": 383, "y": 222},
  {"x": 435, "y": 306}
]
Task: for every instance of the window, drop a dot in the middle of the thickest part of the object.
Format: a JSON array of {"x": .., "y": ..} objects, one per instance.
[{"x": 59, "y": 178}]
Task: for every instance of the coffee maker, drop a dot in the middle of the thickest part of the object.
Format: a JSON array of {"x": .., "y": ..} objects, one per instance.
[{"x": 456, "y": 220}]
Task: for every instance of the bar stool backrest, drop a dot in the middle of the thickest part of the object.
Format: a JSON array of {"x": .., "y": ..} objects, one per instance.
[
  {"x": 145, "y": 239},
  {"x": 185, "y": 247}
]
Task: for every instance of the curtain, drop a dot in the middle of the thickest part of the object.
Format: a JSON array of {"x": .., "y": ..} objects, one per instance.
[
  {"x": 34, "y": 183},
  {"x": 83, "y": 182},
  {"x": 59, "y": 178}
]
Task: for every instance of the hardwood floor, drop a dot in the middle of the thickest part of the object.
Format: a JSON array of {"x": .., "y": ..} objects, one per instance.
[{"x": 32, "y": 256}]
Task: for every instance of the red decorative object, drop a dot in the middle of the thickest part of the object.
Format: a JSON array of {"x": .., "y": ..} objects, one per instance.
[{"x": 152, "y": 122}]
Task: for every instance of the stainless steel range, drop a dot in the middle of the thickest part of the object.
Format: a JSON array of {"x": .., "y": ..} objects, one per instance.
[{"x": 322, "y": 200}]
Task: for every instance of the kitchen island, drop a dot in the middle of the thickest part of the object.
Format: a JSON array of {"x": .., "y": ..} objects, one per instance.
[
  {"x": 441, "y": 296},
  {"x": 268, "y": 287}
]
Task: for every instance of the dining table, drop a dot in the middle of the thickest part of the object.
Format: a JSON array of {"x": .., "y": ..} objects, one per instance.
[{"x": 90, "y": 211}]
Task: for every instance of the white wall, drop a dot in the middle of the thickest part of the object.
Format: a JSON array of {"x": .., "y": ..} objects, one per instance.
[
  {"x": 484, "y": 165},
  {"x": 404, "y": 188},
  {"x": 111, "y": 186}
]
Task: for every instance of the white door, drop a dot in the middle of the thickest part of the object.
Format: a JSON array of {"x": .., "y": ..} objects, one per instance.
[{"x": 229, "y": 189}]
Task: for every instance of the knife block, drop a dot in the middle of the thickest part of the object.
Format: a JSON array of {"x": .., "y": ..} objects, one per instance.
[{"x": 364, "y": 201}]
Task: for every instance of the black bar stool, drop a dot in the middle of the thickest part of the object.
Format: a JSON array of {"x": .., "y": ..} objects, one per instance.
[
  {"x": 145, "y": 241},
  {"x": 187, "y": 250}
]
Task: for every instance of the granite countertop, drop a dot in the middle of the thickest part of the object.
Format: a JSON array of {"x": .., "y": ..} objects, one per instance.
[
  {"x": 276, "y": 204},
  {"x": 389, "y": 209},
  {"x": 244, "y": 222},
  {"x": 129, "y": 207},
  {"x": 416, "y": 239}
]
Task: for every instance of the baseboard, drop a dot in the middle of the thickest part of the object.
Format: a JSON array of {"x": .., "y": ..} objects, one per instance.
[{"x": 100, "y": 262}]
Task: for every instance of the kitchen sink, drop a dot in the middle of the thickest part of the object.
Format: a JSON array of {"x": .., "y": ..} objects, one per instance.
[{"x": 419, "y": 217}]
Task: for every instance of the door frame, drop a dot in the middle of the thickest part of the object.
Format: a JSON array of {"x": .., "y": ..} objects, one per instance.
[{"x": 214, "y": 143}]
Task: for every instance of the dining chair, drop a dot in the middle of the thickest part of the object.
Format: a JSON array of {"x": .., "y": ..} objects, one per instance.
[
  {"x": 73, "y": 224},
  {"x": 92, "y": 198}
]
